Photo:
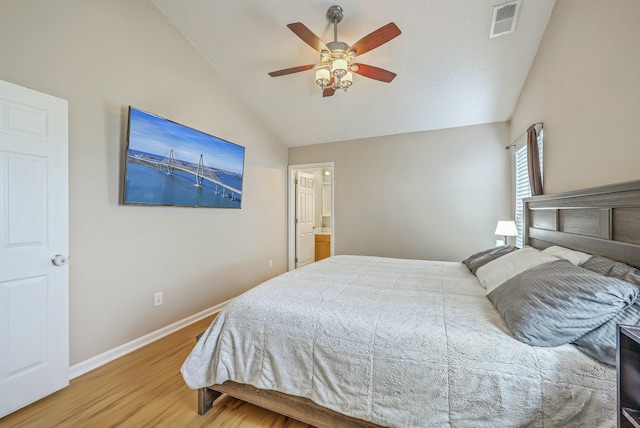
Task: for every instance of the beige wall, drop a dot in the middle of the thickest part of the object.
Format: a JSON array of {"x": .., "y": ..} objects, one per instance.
[
  {"x": 430, "y": 195},
  {"x": 102, "y": 56},
  {"x": 585, "y": 86}
]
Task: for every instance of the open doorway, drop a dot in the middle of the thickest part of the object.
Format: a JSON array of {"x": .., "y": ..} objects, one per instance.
[{"x": 310, "y": 213}]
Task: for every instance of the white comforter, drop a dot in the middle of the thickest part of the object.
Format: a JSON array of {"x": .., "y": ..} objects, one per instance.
[{"x": 401, "y": 343}]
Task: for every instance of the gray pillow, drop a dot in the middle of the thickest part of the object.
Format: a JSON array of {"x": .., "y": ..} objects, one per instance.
[
  {"x": 557, "y": 302},
  {"x": 479, "y": 259},
  {"x": 612, "y": 268},
  {"x": 601, "y": 342}
]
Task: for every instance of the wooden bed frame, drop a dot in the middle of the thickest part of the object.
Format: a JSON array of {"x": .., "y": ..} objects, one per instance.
[
  {"x": 298, "y": 408},
  {"x": 602, "y": 220}
]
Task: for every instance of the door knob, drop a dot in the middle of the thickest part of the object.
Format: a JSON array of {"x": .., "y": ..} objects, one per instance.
[{"x": 59, "y": 260}]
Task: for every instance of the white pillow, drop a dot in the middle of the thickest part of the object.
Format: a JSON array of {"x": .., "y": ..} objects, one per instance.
[
  {"x": 575, "y": 257},
  {"x": 497, "y": 271}
]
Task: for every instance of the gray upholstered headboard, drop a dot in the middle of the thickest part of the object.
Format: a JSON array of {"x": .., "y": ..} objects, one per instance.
[{"x": 602, "y": 220}]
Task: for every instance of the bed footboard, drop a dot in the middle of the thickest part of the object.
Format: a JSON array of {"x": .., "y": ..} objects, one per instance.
[
  {"x": 298, "y": 408},
  {"x": 206, "y": 397}
]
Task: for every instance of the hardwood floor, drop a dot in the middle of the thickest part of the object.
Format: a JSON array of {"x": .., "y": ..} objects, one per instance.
[{"x": 142, "y": 389}]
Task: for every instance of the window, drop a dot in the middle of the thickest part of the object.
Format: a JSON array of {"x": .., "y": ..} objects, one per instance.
[{"x": 523, "y": 190}]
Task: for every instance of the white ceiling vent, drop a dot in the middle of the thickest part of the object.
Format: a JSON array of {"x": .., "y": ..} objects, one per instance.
[{"x": 504, "y": 19}]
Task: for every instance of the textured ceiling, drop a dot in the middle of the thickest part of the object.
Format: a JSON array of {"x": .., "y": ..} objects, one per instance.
[{"x": 449, "y": 72}]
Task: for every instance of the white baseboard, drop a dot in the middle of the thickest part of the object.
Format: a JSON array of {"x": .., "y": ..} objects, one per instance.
[{"x": 108, "y": 356}]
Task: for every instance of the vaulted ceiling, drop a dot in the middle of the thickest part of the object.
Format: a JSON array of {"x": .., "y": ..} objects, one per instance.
[{"x": 449, "y": 72}]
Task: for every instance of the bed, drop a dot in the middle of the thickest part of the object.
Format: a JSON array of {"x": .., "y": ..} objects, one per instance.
[{"x": 371, "y": 341}]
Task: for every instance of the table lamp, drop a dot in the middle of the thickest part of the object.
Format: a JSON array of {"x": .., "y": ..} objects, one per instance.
[{"x": 506, "y": 228}]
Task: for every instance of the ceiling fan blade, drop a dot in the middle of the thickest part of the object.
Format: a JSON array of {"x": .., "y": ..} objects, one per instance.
[
  {"x": 327, "y": 92},
  {"x": 379, "y": 37},
  {"x": 373, "y": 72},
  {"x": 291, "y": 70},
  {"x": 307, "y": 36}
]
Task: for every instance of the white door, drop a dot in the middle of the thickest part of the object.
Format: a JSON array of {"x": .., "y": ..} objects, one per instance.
[
  {"x": 34, "y": 293},
  {"x": 305, "y": 209}
]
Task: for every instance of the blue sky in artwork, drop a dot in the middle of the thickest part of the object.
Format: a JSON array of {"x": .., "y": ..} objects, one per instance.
[{"x": 155, "y": 135}]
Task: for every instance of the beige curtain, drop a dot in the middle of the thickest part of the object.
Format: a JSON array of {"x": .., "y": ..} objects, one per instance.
[{"x": 533, "y": 161}]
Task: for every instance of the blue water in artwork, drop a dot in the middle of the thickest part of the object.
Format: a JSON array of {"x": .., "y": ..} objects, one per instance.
[{"x": 147, "y": 185}]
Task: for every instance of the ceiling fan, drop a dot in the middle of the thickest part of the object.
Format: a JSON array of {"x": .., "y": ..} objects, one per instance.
[{"x": 336, "y": 67}]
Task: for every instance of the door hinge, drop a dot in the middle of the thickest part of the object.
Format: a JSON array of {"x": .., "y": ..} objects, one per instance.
[
  {"x": 295, "y": 221},
  {"x": 296, "y": 181},
  {"x": 296, "y": 260}
]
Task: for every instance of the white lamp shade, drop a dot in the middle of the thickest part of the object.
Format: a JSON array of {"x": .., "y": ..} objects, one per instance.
[
  {"x": 347, "y": 80},
  {"x": 322, "y": 76},
  {"x": 506, "y": 228},
  {"x": 339, "y": 67}
]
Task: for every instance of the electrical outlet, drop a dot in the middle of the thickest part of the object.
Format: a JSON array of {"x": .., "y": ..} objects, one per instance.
[
  {"x": 157, "y": 299},
  {"x": 270, "y": 263}
]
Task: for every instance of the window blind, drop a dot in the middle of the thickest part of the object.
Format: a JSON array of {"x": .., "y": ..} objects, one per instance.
[{"x": 523, "y": 189}]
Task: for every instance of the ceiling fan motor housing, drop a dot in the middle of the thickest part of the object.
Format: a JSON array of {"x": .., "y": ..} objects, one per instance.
[{"x": 338, "y": 49}]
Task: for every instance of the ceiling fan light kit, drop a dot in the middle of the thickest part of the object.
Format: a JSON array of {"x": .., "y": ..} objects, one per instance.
[{"x": 336, "y": 67}]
